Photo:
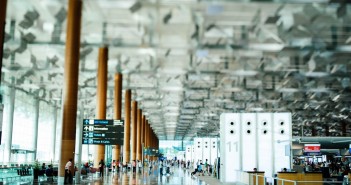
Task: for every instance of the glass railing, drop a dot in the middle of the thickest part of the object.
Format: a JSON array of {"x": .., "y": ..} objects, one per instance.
[{"x": 15, "y": 174}]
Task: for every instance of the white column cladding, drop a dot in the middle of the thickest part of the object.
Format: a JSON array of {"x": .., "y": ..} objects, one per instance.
[
  {"x": 229, "y": 149},
  {"x": 206, "y": 149},
  {"x": 250, "y": 140},
  {"x": 36, "y": 124},
  {"x": 193, "y": 154},
  {"x": 9, "y": 124},
  {"x": 282, "y": 139},
  {"x": 198, "y": 144},
  {"x": 248, "y": 136},
  {"x": 213, "y": 146},
  {"x": 188, "y": 153},
  {"x": 265, "y": 144},
  {"x": 54, "y": 132}
]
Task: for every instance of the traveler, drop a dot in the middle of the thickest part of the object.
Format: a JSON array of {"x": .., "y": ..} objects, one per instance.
[
  {"x": 101, "y": 168},
  {"x": 68, "y": 172}
]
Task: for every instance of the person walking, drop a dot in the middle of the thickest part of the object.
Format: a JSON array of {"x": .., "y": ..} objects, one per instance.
[
  {"x": 101, "y": 167},
  {"x": 113, "y": 165},
  {"x": 140, "y": 166},
  {"x": 68, "y": 172}
]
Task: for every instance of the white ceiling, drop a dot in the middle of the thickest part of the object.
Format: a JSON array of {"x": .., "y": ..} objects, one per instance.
[{"x": 188, "y": 61}]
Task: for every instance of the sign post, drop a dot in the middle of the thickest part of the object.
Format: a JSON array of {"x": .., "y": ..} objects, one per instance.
[{"x": 103, "y": 132}]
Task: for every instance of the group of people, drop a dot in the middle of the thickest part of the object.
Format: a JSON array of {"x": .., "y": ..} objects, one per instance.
[
  {"x": 202, "y": 168},
  {"x": 48, "y": 171}
]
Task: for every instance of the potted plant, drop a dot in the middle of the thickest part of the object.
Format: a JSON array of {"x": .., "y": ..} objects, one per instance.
[{"x": 36, "y": 169}]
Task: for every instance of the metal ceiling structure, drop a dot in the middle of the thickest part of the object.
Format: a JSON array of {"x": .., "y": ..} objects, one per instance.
[{"x": 188, "y": 61}]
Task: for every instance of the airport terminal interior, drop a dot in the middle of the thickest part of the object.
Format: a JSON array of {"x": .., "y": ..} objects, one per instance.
[{"x": 239, "y": 92}]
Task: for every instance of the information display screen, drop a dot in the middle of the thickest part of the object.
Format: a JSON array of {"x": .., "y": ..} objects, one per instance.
[{"x": 103, "y": 132}]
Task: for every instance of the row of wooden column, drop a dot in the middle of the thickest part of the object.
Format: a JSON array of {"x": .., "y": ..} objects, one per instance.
[
  {"x": 142, "y": 134},
  {"x": 133, "y": 116}
]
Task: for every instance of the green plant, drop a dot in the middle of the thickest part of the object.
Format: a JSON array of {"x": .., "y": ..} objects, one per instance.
[{"x": 36, "y": 165}]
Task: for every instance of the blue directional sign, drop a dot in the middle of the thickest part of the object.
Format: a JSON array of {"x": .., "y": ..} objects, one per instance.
[{"x": 103, "y": 132}]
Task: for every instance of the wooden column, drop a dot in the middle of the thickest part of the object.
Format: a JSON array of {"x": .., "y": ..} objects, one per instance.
[
  {"x": 3, "y": 6},
  {"x": 142, "y": 135},
  {"x": 152, "y": 141},
  {"x": 147, "y": 136},
  {"x": 143, "y": 131},
  {"x": 101, "y": 96},
  {"x": 138, "y": 150},
  {"x": 134, "y": 128},
  {"x": 116, "y": 152},
  {"x": 70, "y": 89},
  {"x": 126, "y": 143}
]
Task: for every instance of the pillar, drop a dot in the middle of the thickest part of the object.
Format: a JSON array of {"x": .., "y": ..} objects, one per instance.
[
  {"x": 70, "y": 88},
  {"x": 313, "y": 131},
  {"x": 54, "y": 133},
  {"x": 126, "y": 143},
  {"x": 3, "y": 6},
  {"x": 36, "y": 124},
  {"x": 101, "y": 99},
  {"x": 326, "y": 130},
  {"x": 142, "y": 137},
  {"x": 343, "y": 129},
  {"x": 147, "y": 138},
  {"x": 116, "y": 151},
  {"x": 134, "y": 128},
  {"x": 146, "y": 133},
  {"x": 9, "y": 124},
  {"x": 138, "y": 142}
]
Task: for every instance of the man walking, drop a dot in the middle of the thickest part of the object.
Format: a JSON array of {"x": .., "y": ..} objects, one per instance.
[{"x": 68, "y": 172}]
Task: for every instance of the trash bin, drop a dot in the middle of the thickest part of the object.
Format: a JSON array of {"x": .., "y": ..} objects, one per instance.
[{"x": 346, "y": 180}]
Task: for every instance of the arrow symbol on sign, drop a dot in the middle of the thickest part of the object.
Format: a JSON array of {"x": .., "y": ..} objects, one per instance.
[
  {"x": 86, "y": 134},
  {"x": 86, "y": 128},
  {"x": 86, "y": 121}
]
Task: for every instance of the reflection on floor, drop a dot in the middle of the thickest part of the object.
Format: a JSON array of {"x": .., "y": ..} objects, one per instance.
[{"x": 180, "y": 176}]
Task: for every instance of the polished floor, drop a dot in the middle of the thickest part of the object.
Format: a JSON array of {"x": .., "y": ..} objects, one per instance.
[{"x": 179, "y": 176}]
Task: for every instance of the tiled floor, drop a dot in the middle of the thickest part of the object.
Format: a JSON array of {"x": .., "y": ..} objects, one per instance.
[{"x": 179, "y": 177}]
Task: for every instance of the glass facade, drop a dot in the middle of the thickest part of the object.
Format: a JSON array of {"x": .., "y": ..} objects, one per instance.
[{"x": 23, "y": 129}]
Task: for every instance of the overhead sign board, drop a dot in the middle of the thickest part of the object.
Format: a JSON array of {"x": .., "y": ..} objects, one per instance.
[
  {"x": 103, "y": 132},
  {"x": 151, "y": 151},
  {"x": 312, "y": 148},
  {"x": 350, "y": 149}
]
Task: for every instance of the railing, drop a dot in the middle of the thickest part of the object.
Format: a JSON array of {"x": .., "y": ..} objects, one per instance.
[{"x": 11, "y": 174}]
